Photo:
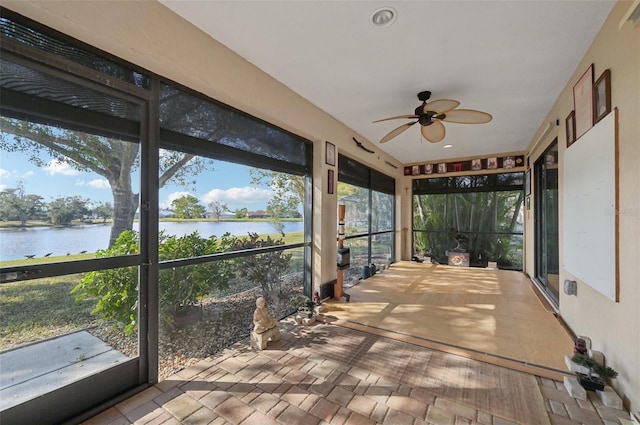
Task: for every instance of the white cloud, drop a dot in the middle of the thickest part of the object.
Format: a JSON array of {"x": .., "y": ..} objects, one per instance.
[
  {"x": 3, "y": 187},
  {"x": 172, "y": 197},
  {"x": 54, "y": 167},
  {"x": 6, "y": 174},
  {"x": 99, "y": 184},
  {"x": 238, "y": 197}
]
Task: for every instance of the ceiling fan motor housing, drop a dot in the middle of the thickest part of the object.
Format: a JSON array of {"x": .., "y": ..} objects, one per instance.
[{"x": 424, "y": 95}]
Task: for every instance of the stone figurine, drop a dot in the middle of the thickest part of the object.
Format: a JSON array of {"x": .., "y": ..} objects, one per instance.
[
  {"x": 261, "y": 319},
  {"x": 265, "y": 327}
]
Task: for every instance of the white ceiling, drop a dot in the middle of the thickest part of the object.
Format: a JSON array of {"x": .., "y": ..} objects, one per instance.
[{"x": 508, "y": 58}]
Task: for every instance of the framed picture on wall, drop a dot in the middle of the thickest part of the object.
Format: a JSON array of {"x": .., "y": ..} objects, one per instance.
[
  {"x": 583, "y": 103},
  {"x": 570, "y": 123},
  {"x": 428, "y": 168},
  {"x": 330, "y": 151},
  {"x": 602, "y": 96},
  {"x": 330, "y": 182}
]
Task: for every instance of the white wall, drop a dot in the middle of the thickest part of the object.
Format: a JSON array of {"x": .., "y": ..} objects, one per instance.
[{"x": 613, "y": 327}]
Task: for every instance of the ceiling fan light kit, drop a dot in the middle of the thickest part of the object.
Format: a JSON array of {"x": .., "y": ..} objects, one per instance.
[{"x": 430, "y": 115}]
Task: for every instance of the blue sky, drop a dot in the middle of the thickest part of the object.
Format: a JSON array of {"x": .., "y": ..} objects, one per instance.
[{"x": 227, "y": 182}]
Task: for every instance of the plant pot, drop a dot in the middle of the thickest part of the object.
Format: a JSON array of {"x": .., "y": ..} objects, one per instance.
[
  {"x": 590, "y": 382},
  {"x": 366, "y": 272},
  {"x": 305, "y": 312}
]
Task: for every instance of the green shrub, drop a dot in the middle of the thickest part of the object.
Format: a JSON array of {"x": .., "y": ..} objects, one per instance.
[
  {"x": 116, "y": 289},
  {"x": 185, "y": 286},
  {"x": 265, "y": 269},
  {"x": 179, "y": 287}
]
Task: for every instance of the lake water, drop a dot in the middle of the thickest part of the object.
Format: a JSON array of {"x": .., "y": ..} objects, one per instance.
[{"x": 15, "y": 243}]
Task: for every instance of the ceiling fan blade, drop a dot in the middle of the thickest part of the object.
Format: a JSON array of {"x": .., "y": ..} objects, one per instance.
[
  {"x": 467, "y": 116},
  {"x": 404, "y": 117},
  {"x": 434, "y": 132},
  {"x": 440, "y": 106},
  {"x": 395, "y": 132}
]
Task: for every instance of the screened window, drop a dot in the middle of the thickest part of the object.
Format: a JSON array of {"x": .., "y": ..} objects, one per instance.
[
  {"x": 190, "y": 115},
  {"x": 369, "y": 215},
  {"x": 481, "y": 215},
  {"x": 20, "y": 34}
]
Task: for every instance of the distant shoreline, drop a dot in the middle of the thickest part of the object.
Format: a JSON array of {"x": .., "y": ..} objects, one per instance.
[{"x": 37, "y": 223}]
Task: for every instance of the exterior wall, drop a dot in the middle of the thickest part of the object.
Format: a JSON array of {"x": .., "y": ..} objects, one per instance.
[
  {"x": 613, "y": 327},
  {"x": 151, "y": 36}
]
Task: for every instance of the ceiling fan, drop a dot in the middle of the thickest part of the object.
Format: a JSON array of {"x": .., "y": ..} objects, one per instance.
[{"x": 430, "y": 115}]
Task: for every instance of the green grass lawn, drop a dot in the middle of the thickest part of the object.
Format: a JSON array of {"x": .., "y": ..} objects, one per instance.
[{"x": 41, "y": 308}]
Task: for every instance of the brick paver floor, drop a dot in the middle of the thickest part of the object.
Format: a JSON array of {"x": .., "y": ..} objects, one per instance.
[{"x": 327, "y": 374}]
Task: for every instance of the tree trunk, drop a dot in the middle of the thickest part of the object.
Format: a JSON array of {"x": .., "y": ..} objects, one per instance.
[
  {"x": 125, "y": 204},
  {"x": 516, "y": 213}
]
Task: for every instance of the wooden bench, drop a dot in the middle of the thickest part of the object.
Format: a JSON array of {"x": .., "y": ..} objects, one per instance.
[{"x": 259, "y": 340}]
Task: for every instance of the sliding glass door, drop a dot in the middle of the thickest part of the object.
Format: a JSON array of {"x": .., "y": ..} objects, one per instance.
[{"x": 546, "y": 223}]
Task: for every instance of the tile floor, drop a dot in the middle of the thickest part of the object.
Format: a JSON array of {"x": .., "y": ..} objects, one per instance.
[{"x": 329, "y": 374}]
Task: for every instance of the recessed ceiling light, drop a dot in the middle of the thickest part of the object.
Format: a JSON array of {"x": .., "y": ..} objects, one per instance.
[
  {"x": 447, "y": 146},
  {"x": 384, "y": 16}
]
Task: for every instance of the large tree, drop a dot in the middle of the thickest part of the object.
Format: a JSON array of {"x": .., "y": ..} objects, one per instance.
[
  {"x": 66, "y": 209},
  {"x": 218, "y": 208},
  {"x": 15, "y": 204},
  {"x": 187, "y": 207},
  {"x": 103, "y": 211}
]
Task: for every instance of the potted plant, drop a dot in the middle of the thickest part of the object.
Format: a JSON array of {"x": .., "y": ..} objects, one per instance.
[
  {"x": 304, "y": 307},
  {"x": 594, "y": 379}
]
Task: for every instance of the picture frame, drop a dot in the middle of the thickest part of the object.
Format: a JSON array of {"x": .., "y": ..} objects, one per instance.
[
  {"x": 527, "y": 183},
  {"x": 330, "y": 153},
  {"x": 583, "y": 103},
  {"x": 570, "y": 124},
  {"x": 428, "y": 168},
  {"x": 508, "y": 162},
  {"x": 330, "y": 182},
  {"x": 602, "y": 96}
]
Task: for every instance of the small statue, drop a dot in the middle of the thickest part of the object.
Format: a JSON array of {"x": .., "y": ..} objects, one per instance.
[
  {"x": 316, "y": 298},
  {"x": 261, "y": 319}
]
